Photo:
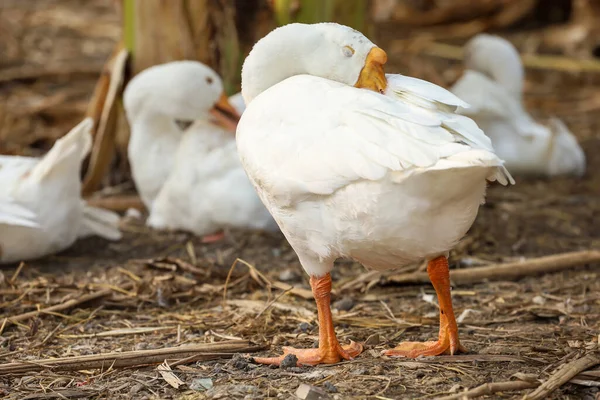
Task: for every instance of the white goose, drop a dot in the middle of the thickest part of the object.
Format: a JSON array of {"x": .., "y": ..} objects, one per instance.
[
  {"x": 190, "y": 179},
  {"x": 237, "y": 101},
  {"x": 386, "y": 179},
  {"x": 492, "y": 85},
  {"x": 41, "y": 210}
]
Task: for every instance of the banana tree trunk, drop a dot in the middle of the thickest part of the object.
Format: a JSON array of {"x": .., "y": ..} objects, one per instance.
[{"x": 170, "y": 30}]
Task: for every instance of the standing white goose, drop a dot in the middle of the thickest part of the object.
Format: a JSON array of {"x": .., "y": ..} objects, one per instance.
[
  {"x": 189, "y": 179},
  {"x": 492, "y": 85},
  {"x": 386, "y": 179},
  {"x": 41, "y": 210}
]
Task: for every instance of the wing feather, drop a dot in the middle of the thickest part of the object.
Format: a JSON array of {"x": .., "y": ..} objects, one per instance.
[
  {"x": 15, "y": 214},
  {"x": 351, "y": 134}
]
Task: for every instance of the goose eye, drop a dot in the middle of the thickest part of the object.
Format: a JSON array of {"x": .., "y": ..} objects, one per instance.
[
  {"x": 209, "y": 80},
  {"x": 348, "y": 51}
]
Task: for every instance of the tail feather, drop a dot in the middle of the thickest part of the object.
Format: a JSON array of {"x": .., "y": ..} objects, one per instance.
[
  {"x": 100, "y": 222},
  {"x": 15, "y": 214},
  {"x": 566, "y": 156},
  {"x": 74, "y": 147}
]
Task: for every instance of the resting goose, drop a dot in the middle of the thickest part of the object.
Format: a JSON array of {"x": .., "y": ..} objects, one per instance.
[
  {"x": 190, "y": 178},
  {"x": 493, "y": 85},
  {"x": 41, "y": 209}
]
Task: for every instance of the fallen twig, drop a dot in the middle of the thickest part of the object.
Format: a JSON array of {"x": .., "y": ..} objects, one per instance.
[
  {"x": 63, "y": 306},
  {"x": 470, "y": 358},
  {"x": 490, "y": 388},
  {"x": 508, "y": 271},
  {"x": 297, "y": 291},
  {"x": 121, "y": 332},
  {"x": 117, "y": 203},
  {"x": 48, "y": 71},
  {"x": 204, "y": 351},
  {"x": 563, "y": 375},
  {"x": 536, "y": 61},
  {"x": 62, "y": 394}
]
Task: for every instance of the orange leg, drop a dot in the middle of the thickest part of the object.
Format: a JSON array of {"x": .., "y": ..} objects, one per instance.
[
  {"x": 330, "y": 351},
  {"x": 215, "y": 237},
  {"x": 447, "y": 342}
]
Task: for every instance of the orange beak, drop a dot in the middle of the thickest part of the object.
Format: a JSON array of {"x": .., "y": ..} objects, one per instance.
[
  {"x": 225, "y": 115},
  {"x": 372, "y": 76}
]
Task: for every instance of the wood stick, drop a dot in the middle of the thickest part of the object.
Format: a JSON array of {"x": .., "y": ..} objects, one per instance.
[
  {"x": 297, "y": 291},
  {"x": 204, "y": 351},
  {"x": 48, "y": 71},
  {"x": 490, "y": 388},
  {"x": 563, "y": 375},
  {"x": 63, "y": 306},
  {"x": 470, "y": 358},
  {"x": 535, "y": 61},
  {"x": 508, "y": 271},
  {"x": 62, "y": 394},
  {"x": 117, "y": 203}
]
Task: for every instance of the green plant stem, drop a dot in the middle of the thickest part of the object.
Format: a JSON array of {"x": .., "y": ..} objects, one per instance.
[{"x": 129, "y": 24}]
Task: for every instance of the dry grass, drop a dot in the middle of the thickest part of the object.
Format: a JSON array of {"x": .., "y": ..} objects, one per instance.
[{"x": 165, "y": 290}]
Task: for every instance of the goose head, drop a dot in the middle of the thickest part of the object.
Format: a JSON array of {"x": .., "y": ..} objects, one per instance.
[
  {"x": 498, "y": 59},
  {"x": 327, "y": 50},
  {"x": 181, "y": 91}
]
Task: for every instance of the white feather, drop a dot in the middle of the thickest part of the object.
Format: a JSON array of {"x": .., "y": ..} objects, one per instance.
[
  {"x": 15, "y": 214},
  {"x": 99, "y": 222}
]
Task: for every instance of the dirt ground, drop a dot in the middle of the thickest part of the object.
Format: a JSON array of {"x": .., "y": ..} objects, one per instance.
[{"x": 167, "y": 289}]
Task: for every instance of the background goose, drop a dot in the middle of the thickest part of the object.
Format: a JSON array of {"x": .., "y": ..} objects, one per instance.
[
  {"x": 492, "y": 85},
  {"x": 41, "y": 210},
  {"x": 189, "y": 179}
]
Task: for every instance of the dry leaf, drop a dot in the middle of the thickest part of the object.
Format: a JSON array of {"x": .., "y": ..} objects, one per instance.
[{"x": 165, "y": 370}]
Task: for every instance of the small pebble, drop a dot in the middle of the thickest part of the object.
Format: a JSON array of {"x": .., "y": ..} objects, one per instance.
[
  {"x": 330, "y": 387},
  {"x": 308, "y": 392},
  {"x": 373, "y": 340},
  {"x": 239, "y": 362},
  {"x": 345, "y": 304},
  {"x": 288, "y": 275},
  {"x": 304, "y": 327},
  {"x": 141, "y": 346},
  {"x": 162, "y": 297},
  {"x": 133, "y": 213},
  {"x": 201, "y": 384},
  {"x": 289, "y": 361},
  {"x": 136, "y": 388},
  {"x": 377, "y": 370}
]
